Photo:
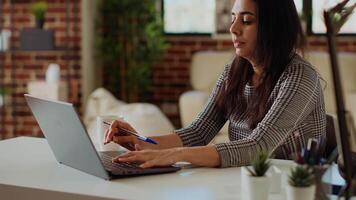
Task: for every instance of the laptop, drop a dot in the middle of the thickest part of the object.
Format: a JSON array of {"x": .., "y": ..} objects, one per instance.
[{"x": 71, "y": 144}]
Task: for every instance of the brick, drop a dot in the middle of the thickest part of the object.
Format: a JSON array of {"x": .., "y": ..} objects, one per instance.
[
  {"x": 184, "y": 60},
  {"x": 22, "y": 76},
  {"x": 50, "y": 20},
  {"x": 70, "y": 19},
  {"x": 21, "y": 19},
  {"x": 343, "y": 43},
  {"x": 209, "y": 43},
  {"x": 21, "y": 57},
  {"x": 31, "y": 123},
  {"x": 26, "y": 66},
  {"x": 71, "y": 57},
  {"x": 186, "y": 44},
  {"x": 70, "y": 39},
  {"x": 61, "y": 10},
  {"x": 21, "y": 113},
  {"x": 176, "y": 51},
  {"x": 45, "y": 57},
  {"x": 317, "y": 43}
]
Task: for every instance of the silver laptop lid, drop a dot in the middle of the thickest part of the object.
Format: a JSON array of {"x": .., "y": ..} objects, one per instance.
[{"x": 66, "y": 135}]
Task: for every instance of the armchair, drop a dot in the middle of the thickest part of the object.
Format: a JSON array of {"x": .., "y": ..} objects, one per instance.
[{"x": 205, "y": 69}]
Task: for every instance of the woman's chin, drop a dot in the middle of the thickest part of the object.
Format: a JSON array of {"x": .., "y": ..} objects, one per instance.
[{"x": 240, "y": 52}]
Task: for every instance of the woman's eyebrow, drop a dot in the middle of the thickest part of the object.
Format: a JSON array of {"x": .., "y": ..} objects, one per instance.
[{"x": 244, "y": 13}]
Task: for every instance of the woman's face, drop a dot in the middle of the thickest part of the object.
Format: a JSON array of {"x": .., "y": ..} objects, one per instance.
[{"x": 244, "y": 28}]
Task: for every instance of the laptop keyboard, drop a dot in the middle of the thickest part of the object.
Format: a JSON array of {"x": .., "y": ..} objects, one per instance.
[{"x": 106, "y": 158}]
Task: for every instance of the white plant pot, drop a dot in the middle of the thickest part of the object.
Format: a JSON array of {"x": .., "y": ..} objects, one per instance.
[
  {"x": 257, "y": 188},
  {"x": 1, "y": 100},
  {"x": 5, "y": 40},
  {"x": 300, "y": 193},
  {"x": 53, "y": 73}
]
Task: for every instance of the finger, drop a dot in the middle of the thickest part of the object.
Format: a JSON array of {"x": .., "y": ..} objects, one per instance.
[
  {"x": 115, "y": 123},
  {"x": 133, "y": 158},
  {"x": 148, "y": 164},
  {"x": 106, "y": 136},
  {"x": 128, "y": 146},
  {"x": 123, "y": 139},
  {"x": 126, "y": 154},
  {"x": 116, "y": 159},
  {"x": 138, "y": 147},
  {"x": 110, "y": 133},
  {"x": 121, "y": 124}
]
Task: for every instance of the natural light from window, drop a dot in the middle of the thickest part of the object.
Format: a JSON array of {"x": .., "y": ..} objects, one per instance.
[
  {"x": 198, "y": 16},
  {"x": 318, "y": 25},
  {"x": 299, "y": 6},
  {"x": 189, "y": 16}
]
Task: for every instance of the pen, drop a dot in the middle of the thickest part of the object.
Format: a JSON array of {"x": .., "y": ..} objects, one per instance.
[{"x": 140, "y": 137}]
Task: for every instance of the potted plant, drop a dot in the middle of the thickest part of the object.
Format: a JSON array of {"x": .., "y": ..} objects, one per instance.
[
  {"x": 39, "y": 10},
  {"x": 3, "y": 94},
  {"x": 334, "y": 18},
  {"x": 37, "y": 38},
  {"x": 257, "y": 181},
  {"x": 301, "y": 183},
  {"x": 129, "y": 40}
]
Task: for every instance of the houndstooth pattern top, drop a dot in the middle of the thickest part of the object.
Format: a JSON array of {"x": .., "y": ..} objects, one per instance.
[{"x": 297, "y": 113}]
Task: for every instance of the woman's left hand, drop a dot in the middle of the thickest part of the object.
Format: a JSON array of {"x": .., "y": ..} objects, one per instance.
[{"x": 151, "y": 158}]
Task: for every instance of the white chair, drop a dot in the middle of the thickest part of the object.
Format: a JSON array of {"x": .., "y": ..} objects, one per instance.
[{"x": 204, "y": 71}]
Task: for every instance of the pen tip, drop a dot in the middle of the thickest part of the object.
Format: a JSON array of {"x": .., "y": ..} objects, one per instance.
[{"x": 151, "y": 141}]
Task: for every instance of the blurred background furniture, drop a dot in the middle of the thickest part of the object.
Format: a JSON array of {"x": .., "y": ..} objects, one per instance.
[
  {"x": 145, "y": 118},
  {"x": 205, "y": 69},
  {"x": 43, "y": 89}
]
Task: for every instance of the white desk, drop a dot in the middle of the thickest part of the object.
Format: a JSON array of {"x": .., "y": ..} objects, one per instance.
[{"x": 28, "y": 170}]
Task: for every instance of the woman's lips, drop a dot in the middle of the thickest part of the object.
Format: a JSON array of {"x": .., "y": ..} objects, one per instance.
[{"x": 238, "y": 44}]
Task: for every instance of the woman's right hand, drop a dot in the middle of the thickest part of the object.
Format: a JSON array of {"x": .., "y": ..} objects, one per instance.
[{"x": 116, "y": 134}]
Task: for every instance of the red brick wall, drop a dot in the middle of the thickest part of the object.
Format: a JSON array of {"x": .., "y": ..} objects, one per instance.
[{"x": 20, "y": 67}]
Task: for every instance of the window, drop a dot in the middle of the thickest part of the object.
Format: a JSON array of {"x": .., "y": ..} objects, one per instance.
[
  {"x": 189, "y": 16},
  {"x": 299, "y": 6},
  {"x": 318, "y": 25},
  {"x": 200, "y": 16}
]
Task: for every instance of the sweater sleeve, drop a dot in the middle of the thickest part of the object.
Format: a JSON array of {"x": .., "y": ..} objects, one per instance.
[
  {"x": 296, "y": 98},
  {"x": 209, "y": 121}
]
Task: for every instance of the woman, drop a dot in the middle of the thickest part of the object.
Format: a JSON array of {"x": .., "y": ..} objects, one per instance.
[{"x": 270, "y": 95}]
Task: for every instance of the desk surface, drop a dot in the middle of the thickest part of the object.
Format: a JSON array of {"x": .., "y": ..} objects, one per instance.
[{"x": 29, "y": 163}]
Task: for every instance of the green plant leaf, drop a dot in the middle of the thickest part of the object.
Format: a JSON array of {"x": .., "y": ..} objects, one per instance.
[
  {"x": 301, "y": 176},
  {"x": 260, "y": 164},
  {"x": 129, "y": 41},
  {"x": 39, "y": 9},
  {"x": 340, "y": 13}
]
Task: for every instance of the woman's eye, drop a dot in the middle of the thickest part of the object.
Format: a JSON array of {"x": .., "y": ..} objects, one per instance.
[{"x": 246, "y": 22}]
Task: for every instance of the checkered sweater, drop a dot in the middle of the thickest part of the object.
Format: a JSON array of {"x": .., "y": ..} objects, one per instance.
[{"x": 297, "y": 113}]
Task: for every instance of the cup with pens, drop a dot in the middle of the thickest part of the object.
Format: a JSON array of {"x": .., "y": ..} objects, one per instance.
[{"x": 310, "y": 156}]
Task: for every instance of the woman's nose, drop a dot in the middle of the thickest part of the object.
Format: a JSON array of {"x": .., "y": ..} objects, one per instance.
[{"x": 235, "y": 28}]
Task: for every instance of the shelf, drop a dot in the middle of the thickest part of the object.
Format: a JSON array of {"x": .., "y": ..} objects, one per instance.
[
  {"x": 40, "y": 51},
  {"x": 18, "y": 67}
]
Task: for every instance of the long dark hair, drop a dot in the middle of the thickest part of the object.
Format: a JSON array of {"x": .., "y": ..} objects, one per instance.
[{"x": 279, "y": 37}]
